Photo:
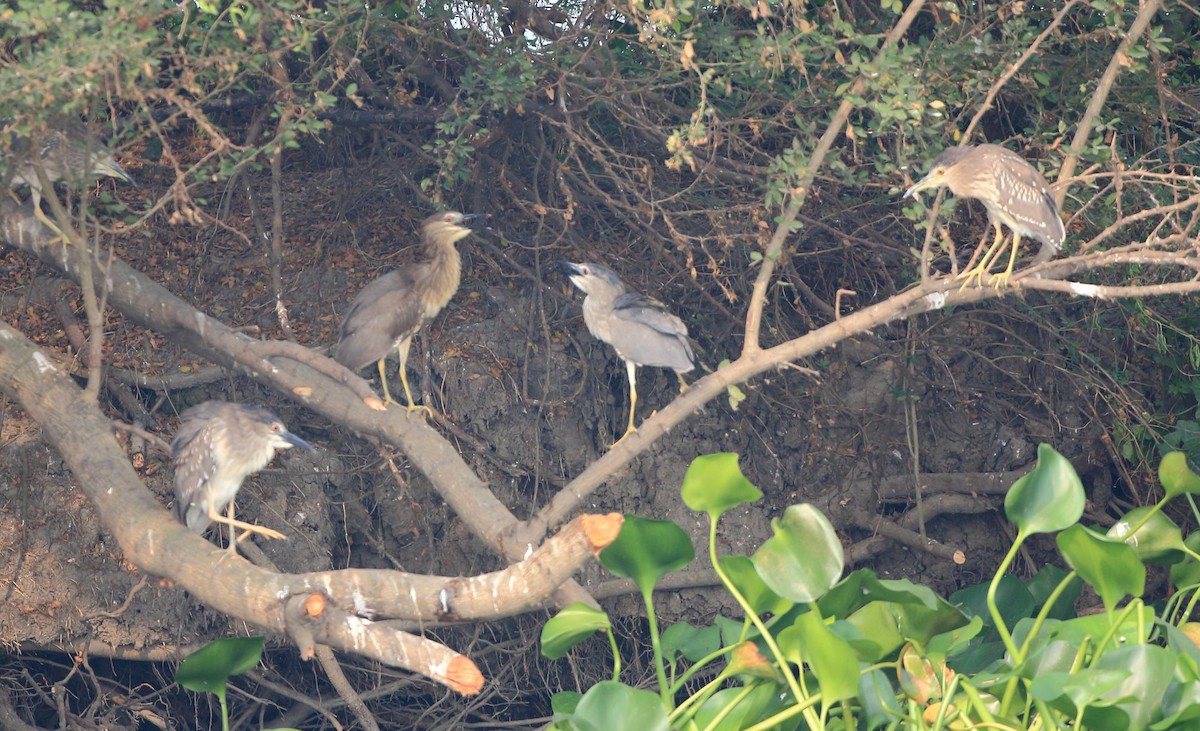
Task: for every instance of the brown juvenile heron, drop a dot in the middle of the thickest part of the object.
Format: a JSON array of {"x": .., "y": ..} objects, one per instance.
[
  {"x": 390, "y": 310},
  {"x": 218, "y": 445},
  {"x": 1013, "y": 191},
  {"x": 70, "y": 154},
  {"x": 642, "y": 330}
]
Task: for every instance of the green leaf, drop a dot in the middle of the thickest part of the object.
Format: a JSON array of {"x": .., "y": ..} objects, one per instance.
[
  {"x": 714, "y": 484},
  {"x": 573, "y": 625},
  {"x": 1111, "y": 567},
  {"x": 879, "y": 704},
  {"x": 565, "y": 702},
  {"x": 611, "y": 705},
  {"x": 741, "y": 573},
  {"x": 804, "y": 558},
  {"x": 206, "y": 670},
  {"x": 646, "y": 550},
  {"x": 832, "y": 660},
  {"x": 1176, "y": 477},
  {"x": 693, "y": 643},
  {"x": 1048, "y": 499},
  {"x": 746, "y": 707},
  {"x": 1157, "y": 541}
]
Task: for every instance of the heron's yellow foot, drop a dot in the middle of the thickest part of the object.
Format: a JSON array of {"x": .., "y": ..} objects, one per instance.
[
  {"x": 41, "y": 216},
  {"x": 420, "y": 408},
  {"x": 1000, "y": 281},
  {"x": 262, "y": 531},
  {"x": 631, "y": 430},
  {"x": 976, "y": 273}
]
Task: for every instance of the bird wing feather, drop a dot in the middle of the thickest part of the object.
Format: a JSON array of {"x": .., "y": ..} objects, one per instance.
[
  {"x": 194, "y": 466},
  {"x": 650, "y": 348},
  {"x": 382, "y": 314},
  {"x": 637, "y": 307}
]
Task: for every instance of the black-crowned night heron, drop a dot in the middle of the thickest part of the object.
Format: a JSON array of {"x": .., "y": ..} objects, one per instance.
[
  {"x": 390, "y": 310},
  {"x": 1013, "y": 191},
  {"x": 642, "y": 330},
  {"x": 218, "y": 445},
  {"x": 70, "y": 154}
]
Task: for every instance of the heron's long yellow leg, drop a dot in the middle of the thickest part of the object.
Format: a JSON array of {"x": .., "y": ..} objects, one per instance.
[
  {"x": 387, "y": 397},
  {"x": 216, "y": 517},
  {"x": 631, "y": 371},
  {"x": 1001, "y": 280},
  {"x": 977, "y": 272},
  {"x": 683, "y": 385}
]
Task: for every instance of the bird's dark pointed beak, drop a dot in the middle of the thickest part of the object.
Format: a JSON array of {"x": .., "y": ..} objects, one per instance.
[
  {"x": 294, "y": 440},
  {"x": 567, "y": 267},
  {"x": 476, "y": 221},
  {"x": 917, "y": 187}
]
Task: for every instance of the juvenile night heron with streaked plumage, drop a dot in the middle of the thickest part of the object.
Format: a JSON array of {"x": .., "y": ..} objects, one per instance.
[
  {"x": 1014, "y": 193},
  {"x": 389, "y": 311},
  {"x": 218, "y": 445},
  {"x": 68, "y": 154},
  {"x": 641, "y": 329}
]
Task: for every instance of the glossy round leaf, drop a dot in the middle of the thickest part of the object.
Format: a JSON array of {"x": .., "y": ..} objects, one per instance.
[
  {"x": 1111, "y": 567},
  {"x": 804, "y": 558},
  {"x": 1176, "y": 477},
  {"x": 809, "y": 642},
  {"x": 1158, "y": 540},
  {"x": 1048, "y": 499},
  {"x": 572, "y": 625},
  {"x": 206, "y": 670},
  {"x": 646, "y": 550},
  {"x": 611, "y": 705},
  {"x": 741, "y": 573},
  {"x": 714, "y": 484}
]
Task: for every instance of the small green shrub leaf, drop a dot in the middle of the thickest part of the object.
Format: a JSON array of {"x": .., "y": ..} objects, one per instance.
[
  {"x": 804, "y": 558},
  {"x": 206, "y": 670},
  {"x": 646, "y": 550},
  {"x": 574, "y": 624},
  {"x": 1111, "y": 567},
  {"x": 1048, "y": 499},
  {"x": 714, "y": 484}
]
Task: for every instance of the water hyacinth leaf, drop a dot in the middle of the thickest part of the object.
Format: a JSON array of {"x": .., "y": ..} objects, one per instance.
[
  {"x": 804, "y": 558},
  {"x": 741, "y": 573},
  {"x": 646, "y": 550},
  {"x": 206, "y": 670},
  {"x": 1048, "y": 499},
  {"x": 879, "y": 705},
  {"x": 690, "y": 642},
  {"x": 612, "y": 705},
  {"x": 1157, "y": 541},
  {"x": 1176, "y": 477},
  {"x": 832, "y": 660},
  {"x": 1111, "y": 567},
  {"x": 714, "y": 484},
  {"x": 571, "y": 626}
]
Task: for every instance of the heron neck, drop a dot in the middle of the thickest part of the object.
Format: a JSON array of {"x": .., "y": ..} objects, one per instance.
[{"x": 445, "y": 271}]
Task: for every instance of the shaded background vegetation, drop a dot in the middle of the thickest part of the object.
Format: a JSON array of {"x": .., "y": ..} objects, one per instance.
[{"x": 285, "y": 150}]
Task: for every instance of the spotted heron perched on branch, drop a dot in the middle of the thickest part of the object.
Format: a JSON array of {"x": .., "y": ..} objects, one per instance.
[
  {"x": 641, "y": 329},
  {"x": 218, "y": 445},
  {"x": 1013, "y": 191},
  {"x": 67, "y": 154},
  {"x": 389, "y": 311}
]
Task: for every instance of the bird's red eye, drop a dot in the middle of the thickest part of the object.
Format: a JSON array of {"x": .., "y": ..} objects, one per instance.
[{"x": 276, "y": 428}]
